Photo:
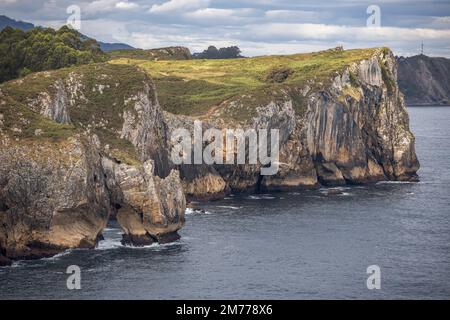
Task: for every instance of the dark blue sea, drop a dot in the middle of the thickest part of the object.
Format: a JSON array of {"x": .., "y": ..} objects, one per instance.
[{"x": 305, "y": 245}]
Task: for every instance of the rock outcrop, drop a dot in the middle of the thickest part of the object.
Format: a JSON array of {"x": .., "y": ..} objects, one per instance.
[
  {"x": 53, "y": 197},
  {"x": 149, "y": 208},
  {"x": 352, "y": 128},
  {"x": 424, "y": 80},
  {"x": 78, "y": 148}
]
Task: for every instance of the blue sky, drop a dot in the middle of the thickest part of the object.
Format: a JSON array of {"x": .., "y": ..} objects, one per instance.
[{"x": 257, "y": 26}]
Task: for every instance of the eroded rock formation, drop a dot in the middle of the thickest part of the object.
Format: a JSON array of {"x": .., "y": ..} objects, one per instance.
[
  {"x": 352, "y": 129},
  {"x": 67, "y": 164},
  {"x": 81, "y": 145},
  {"x": 424, "y": 80}
]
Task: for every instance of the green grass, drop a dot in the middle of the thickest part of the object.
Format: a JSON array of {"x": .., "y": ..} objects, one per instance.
[
  {"x": 188, "y": 87},
  {"x": 193, "y": 87},
  {"x": 16, "y": 115},
  {"x": 120, "y": 82}
]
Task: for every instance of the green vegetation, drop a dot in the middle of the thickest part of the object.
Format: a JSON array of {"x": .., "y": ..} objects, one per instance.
[
  {"x": 23, "y": 122},
  {"x": 42, "y": 49},
  {"x": 353, "y": 80},
  {"x": 101, "y": 92},
  {"x": 388, "y": 81},
  {"x": 194, "y": 87},
  {"x": 105, "y": 92},
  {"x": 279, "y": 75},
  {"x": 223, "y": 53}
]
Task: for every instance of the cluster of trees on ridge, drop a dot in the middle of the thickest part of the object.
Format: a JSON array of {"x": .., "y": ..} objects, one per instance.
[
  {"x": 222, "y": 53},
  {"x": 40, "y": 49}
]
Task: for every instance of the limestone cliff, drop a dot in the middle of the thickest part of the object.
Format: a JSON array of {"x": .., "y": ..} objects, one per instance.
[
  {"x": 424, "y": 80},
  {"x": 77, "y": 146},
  {"x": 351, "y": 127},
  {"x": 81, "y": 145}
]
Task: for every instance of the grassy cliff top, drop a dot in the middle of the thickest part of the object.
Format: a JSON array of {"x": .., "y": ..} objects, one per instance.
[
  {"x": 192, "y": 87},
  {"x": 96, "y": 97}
]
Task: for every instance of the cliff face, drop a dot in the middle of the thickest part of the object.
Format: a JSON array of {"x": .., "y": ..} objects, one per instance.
[
  {"x": 78, "y": 146},
  {"x": 424, "y": 80},
  {"x": 83, "y": 144},
  {"x": 353, "y": 128}
]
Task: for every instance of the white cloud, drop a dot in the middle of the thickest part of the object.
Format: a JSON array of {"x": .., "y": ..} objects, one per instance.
[
  {"x": 292, "y": 15},
  {"x": 256, "y": 26},
  {"x": 179, "y": 5},
  {"x": 100, "y": 6},
  {"x": 126, "y": 5},
  {"x": 323, "y": 32},
  {"x": 211, "y": 13},
  {"x": 214, "y": 16}
]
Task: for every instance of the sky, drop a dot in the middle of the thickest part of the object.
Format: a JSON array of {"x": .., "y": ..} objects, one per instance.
[{"x": 258, "y": 27}]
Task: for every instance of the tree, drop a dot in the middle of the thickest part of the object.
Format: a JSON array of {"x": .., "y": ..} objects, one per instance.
[
  {"x": 42, "y": 49},
  {"x": 222, "y": 53}
]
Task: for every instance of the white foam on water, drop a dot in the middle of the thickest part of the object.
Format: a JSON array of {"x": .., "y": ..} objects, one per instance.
[
  {"x": 395, "y": 182},
  {"x": 230, "y": 207},
  {"x": 109, "y": 244},
  {"x": 190, "y": 211},
  {"x": 335, "y": 189},
  {"x": 115, "y": 243},
  {"x": 261, "y": 197}
]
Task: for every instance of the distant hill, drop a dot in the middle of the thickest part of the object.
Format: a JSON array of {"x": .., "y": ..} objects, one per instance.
[
  {"x": 107, "y": 47},
  {"x": 424, "y": 80},
  {"x": 222, "y": 53},
  {"x": 168, "y": 53},
  {"x": 8, "y": 22},
  {"x": 25, "y": 26}
]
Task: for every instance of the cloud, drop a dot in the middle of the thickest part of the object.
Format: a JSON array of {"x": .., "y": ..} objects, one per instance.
[
  {"x": 100, "y": 6},
  {"x": 257, "y": 26},
  {"x": 323, "y": 32},
  {"x": 215, "y": 16},
  {"x": 296, "y": 15},
  {"x": 104, "y": 6},
  {"x": 126, "y": 5},
  {"x": 179, "y": 5}
]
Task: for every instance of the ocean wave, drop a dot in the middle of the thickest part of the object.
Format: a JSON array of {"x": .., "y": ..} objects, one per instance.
[
  {"x": 190, "y": 211},
  {"x": 396, "y": 182},
  {"x": 59, "y": 255},
  {"x": 335, "y": 189},
  {"x": 261, "y": 197},
  {"x": 111, "y": 244},
  {"x": 230, "y": 207}
]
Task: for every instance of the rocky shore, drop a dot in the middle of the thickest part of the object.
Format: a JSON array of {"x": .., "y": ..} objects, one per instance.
[{"x": 81, "y": 145}]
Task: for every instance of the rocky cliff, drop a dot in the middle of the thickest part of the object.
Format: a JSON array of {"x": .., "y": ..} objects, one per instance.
[
  {"x": 78, "y": 146},
  {"x": 347, "y": 128},
  {"x": 81, "y": 145},
  {"x": 424, "y": 80}
]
